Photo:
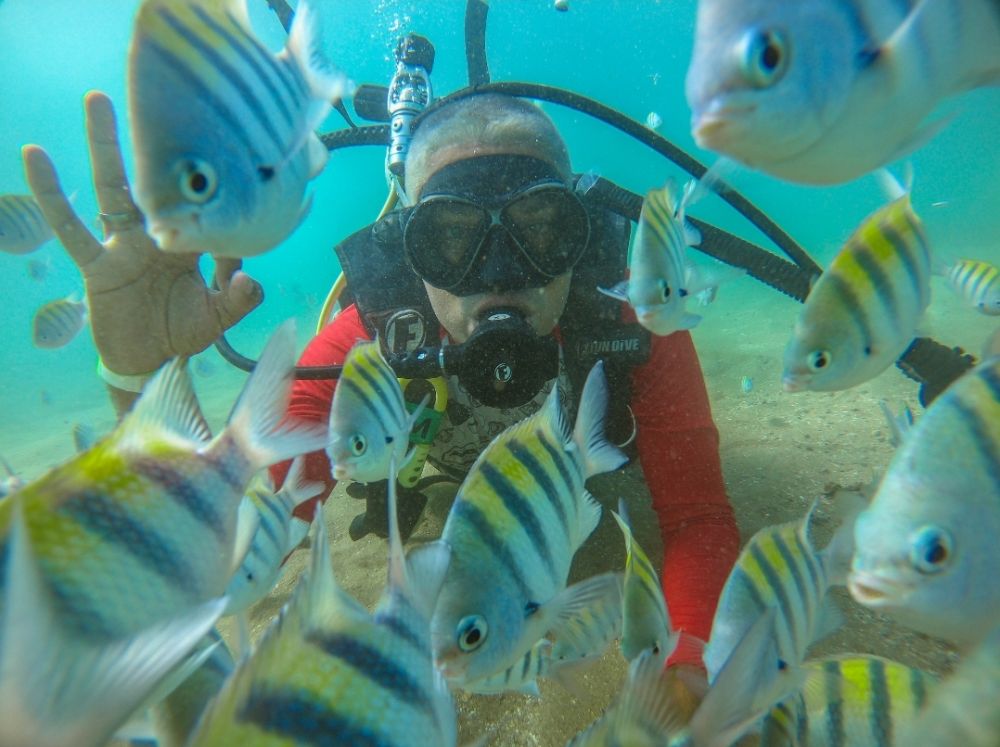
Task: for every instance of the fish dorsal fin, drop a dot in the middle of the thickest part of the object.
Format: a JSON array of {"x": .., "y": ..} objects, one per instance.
[
  {"x": 56, "y": 688},
  {"x": 647, "y": 700},
  {"x": 167, "y": 407}
]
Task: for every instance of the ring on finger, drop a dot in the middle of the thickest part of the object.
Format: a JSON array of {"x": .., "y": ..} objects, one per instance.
[{"x": 121, "y": 221}]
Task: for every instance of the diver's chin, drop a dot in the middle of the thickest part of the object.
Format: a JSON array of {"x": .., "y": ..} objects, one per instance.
[{"x": 873, "y": 590}]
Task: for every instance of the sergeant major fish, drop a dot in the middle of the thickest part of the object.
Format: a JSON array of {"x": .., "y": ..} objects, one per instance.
[
  {"x": 977, "y": 282},
  {"x": 369, "y": 422},
  {"x": 660, "y": 277},
  {"x": 823, "y": 92},
  {"x": 329, "y": 672},
  {"x": 850, "y": 700},
  {"x": 862, "y": 312},
  {"x": 925, "y": 548},
  {"x": 23, "y": 228},
  {"x": 226, "y": 172},
  {"x": 58, "y": 322},
  {"x": 517, "y": 520},
  {"x": 153, "y": 506}
]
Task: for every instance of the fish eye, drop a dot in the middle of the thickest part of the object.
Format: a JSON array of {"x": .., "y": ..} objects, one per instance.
[
  {"x": 819, "y": 359},
  {"x": 198, "y": 181},
  {"x": 930, "y": 549},
  {"x": 359, "y": 444},
  {"x": 664, "y": 290},
  {"x": 471, "y": 632},
  {"x": 765, "y": 56}
]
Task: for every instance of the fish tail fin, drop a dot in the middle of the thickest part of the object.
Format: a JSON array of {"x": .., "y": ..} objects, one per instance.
[
  {"x": 56, "y": 688},
  {"x": 256, "y": 421},
  {"x": 599, "y": 454}
]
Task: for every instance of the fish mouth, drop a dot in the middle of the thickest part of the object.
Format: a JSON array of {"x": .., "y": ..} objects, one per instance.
[
  {"x": 873, "y": 590},
  {"x": 792, "y": 383},
  {"x": 715, "y": 125}
]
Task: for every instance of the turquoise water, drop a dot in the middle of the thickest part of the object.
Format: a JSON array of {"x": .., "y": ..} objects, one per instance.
[{"x": 629, "y": 55}]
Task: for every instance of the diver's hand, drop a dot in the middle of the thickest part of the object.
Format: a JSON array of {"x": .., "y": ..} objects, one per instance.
[{"x": 146, "y": 306}]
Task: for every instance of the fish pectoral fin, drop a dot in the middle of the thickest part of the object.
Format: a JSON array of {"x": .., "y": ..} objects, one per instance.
[
  {"x": 586, "y": 615},
  {"x": 318, "y": 155},
  {"x": 247, "y": 523},
  {"x": 426, "y": 567},
  {"x": 619, "y": 291}
]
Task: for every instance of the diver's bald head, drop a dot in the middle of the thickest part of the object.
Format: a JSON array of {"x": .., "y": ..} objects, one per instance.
[{"x": 485, "y": 124}]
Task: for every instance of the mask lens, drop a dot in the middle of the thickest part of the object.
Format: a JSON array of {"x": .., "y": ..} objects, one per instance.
[
  {"x": 551, "y": 225},
  {"x": 441, "y": 237}
]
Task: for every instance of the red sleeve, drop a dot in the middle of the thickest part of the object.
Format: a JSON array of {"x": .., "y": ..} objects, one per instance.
[
  {"x": 311, "y": 399},
  {"x": 679, "y": 451}
]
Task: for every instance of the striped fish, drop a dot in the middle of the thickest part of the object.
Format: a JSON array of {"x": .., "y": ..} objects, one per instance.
[
  {"x": 226, "y": 173},
  {"x": 518, "y": 519},
  {"x": 963, "y": 709},
  {"x": 369, "y": 422},
  {"x": 23, "y": 228},
  {"x": 780, "y": 569},
  {"x": 926, "y": 546},
  {"x": 57, "y": 688},
  {"x": 328, "y": 672},
  {"x": 278, "y": 533},
  {"x": 822, "y": 92},
  {"x": 144, "y": 523},
  {"x": 658, "y": 283},
  {"x": 976, "y": 281},
  {"x": 58, "y": 322},
  {"x": 646, "y": 621},
  {"x": 849, "y": 700},
  {"x": 862, "y": 313}
]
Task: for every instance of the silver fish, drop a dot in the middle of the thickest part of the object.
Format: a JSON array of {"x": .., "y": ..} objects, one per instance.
[
  {"x": 23, "y": 228},
  {"x": 976, "y": 281},
  {"x": 225, "y": 173},
  {"x": 823, "y": 92},
  {"x": 518, "y": 519},
  {"x": 56, "y": 323},
  {"x": 925, "y": 548}
]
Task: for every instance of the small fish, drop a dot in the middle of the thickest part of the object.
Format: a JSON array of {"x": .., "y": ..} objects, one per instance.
[
  {"x": 821, "y": 93},
  {"x": 329, "y": 672},
  {"x": 862, "y": 312},
  {"x": 849, "y": 699},
  {"x": 660, "y": 277},
  {"x": 38, "y": 269},
  {"x": 746, "y": 384},
  {"x": 648, "y": 712},
  {"x": 369, "y": 422},
  {"x": 11, "y": 482},
  {"x": 23, "y": 228},
  {"x": 278, "y": 533},
  {"x": 963, "y": 709},
  {"x": 84, "y": 436},
  {"x": 653, "y": 121},
  {"x": 707, "y": 296},
  {"x": 62, "y": 689},
  {"x": 646, "y": 621},
  {"x": 779, "y": 568},
  {"x": 899, "y": 424},
  {"x": 154, "y": 505},
  {"x": 175, "y": 716},
  {"x": 926, "y": 546},
  {"x": 977, "y": 282},
  {"x": 226, "y": 173},
  {"x": 58, "y": 322},
  {"x": 517, "y": 520}
]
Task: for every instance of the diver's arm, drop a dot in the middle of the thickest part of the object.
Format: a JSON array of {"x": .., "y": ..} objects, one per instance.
[
  {"x": 311, "y": 399},
  {"x": 678, "y": 447}
]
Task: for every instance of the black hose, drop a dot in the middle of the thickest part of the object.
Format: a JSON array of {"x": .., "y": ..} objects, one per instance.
[
  {"x": 248, "y": 364},
  {"x": 284, "y": 12},
  {"x": 475, "y": 42},
  {"x": 364, "y": 135}
]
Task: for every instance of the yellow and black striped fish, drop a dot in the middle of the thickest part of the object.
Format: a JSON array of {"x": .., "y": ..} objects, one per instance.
[
  {"x": 225, "y": 173},
  {"x": 926, "y": 546},
  {"x": 330, "y": 672},
  {"x": 369, "y": 422},
  {"x": 978, "y": 282},
  {"x": 780, "y": 569},
  {"x": 519, "y": 517},
  {"x": 863, "y": 311},
  {"x": 23, "y": 228},
  {"x": 850, "y": 700},
  {"x": 58, "y": 322}
]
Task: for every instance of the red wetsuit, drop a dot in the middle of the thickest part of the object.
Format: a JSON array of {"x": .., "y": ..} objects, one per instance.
[{"x": 678, "y": 448}]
